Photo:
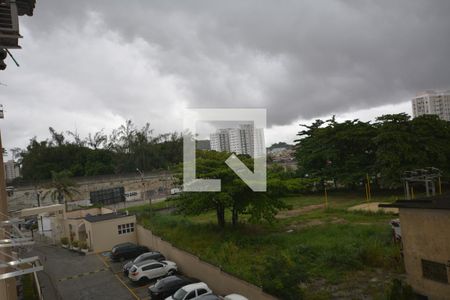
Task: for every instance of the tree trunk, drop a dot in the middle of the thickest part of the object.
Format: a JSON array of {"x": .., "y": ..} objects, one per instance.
[
  {"x": 234, "y": 216},
  {"x": 220, "y": 215}
]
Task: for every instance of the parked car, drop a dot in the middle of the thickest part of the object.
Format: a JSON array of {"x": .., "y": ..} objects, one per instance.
[
  {"x": 209, "y": 297},
  {"x": 175, "y": 191},
  {"x": 151, "y": 269},
  {"x": 234, "y": 297},
  {"x": 30, "y": 223},
  {"x": 166, "y": 287},
  {"x": 191, "y": 292},
  {"x": 127, "y": 251},
  {"x": 143, "y": 257}
]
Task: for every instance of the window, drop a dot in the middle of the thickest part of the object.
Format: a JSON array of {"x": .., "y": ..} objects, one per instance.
[
  {"x": 191, "y": 295},
  {"x": 152, "y": 267},
  {"x": 434, "y": 271},
  {"x": 125, "y": 228},
  {"x": 201, "y": 292}
]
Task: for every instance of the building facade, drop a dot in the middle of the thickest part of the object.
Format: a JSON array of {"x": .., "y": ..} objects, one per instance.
[
  {"x": 242, "y": 140},
  {"x": 432, "y": 103},
  {"x": 220, "y": 140},
  {"x": 425, "y": 235},
  {"x": 11, "y": 170},
  {"x": 100, "y": 228}
]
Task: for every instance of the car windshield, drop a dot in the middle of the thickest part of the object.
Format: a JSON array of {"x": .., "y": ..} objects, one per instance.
[
  {"x": 179, "y": 295},
  {"x": 114, "y": 249},
  {"x": 165, "y": 282},
  {"x": 141, "y": 258}
]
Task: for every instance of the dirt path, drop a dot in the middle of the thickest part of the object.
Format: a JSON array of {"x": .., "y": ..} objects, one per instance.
[
  {"x": 373, "y": 207},
  {"x": 299, "y": 211}
]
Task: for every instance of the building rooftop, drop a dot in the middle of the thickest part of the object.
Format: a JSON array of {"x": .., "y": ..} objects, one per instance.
[
  {"x": 432, "y": 92},
  {"x": 437, "y": 202},
  {"x": 105, "y": 217}
]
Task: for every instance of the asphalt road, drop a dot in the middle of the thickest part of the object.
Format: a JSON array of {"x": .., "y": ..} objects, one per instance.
[{"x": 68, "y": 275}]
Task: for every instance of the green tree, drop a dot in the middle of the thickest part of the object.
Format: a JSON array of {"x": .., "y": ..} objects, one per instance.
[
  {"x": 62, "y": 187},
  {"x": 127, "y": 148},
  {"x": 342, "y": 152},
  {"x": 404, "y": 144},
  {"x": 235, "y": 195},
  {"x": 345, "y": 152}
]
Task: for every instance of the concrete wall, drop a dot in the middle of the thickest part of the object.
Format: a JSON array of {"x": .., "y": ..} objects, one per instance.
[
  {"x": 158, "y": 184},
  {"x": 426, "y": 235},
  {"x": 104, "y": 235},
  {"x": 221, "y": 282}
]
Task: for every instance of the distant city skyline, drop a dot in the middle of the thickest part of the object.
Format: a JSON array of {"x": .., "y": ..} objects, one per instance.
[{"x": 290, "y": 59}]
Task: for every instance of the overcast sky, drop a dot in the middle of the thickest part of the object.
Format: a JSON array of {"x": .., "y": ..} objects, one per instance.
[{"x": 88, "y": 65}]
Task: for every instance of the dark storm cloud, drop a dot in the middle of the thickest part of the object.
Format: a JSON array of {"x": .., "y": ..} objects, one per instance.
[{"x": 300, "y": 59}]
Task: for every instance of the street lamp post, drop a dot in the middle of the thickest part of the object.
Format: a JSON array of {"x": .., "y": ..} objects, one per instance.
[{"x": 143, "y": 188}]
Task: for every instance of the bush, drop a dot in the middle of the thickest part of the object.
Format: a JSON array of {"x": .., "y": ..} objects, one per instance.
[
  {"x": 83, "y": 245},
  {"x": 341, "y": 257},
  {"x": 399, "y": 291},
  {"x": 64, "y": 241},
  {"x": 75, "y": 243},
  {"x": 282, "y": 277}
]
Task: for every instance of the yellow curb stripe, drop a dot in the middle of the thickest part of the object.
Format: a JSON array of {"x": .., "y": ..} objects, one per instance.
[
  {"x": 121, "y": 281},
  {"x": 130, "y": 290},
  {"x": 103, "y": 261}
]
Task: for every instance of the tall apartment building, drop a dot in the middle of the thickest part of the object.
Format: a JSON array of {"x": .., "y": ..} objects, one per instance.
[
  {"x": 432, "y": 103},
  {"x": 220, "y": 141},
  {"x": 242, "y": 140},
  {"x": 11, "y": 170}
]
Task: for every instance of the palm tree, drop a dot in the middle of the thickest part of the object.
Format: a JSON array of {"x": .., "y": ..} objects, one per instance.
[{"x": 62, "y": 187}]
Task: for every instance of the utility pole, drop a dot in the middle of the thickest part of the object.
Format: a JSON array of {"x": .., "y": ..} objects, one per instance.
[{"x": 7, "y": 286}]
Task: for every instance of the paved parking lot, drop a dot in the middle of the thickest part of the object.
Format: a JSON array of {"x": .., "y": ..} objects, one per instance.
[
  {"x": 68, "y": 275},
  {"x": 139, "y": 291}
]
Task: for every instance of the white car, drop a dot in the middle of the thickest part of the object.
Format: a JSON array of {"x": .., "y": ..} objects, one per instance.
[
  {"x": 175, "y": 191},
  {"x": 151, "y": 269},
  {"x": 191, "y": 292},
  {"x": 234, "y": 297}
]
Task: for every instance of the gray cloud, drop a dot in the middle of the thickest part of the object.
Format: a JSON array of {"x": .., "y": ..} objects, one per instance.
[{"x": 97, "y": 63}]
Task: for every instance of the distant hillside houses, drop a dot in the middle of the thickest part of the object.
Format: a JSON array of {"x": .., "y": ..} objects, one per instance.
[{"x": 283, "y": 154}]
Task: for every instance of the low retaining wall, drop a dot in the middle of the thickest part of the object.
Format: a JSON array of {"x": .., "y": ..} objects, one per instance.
[{"x": 219, "y": 281}]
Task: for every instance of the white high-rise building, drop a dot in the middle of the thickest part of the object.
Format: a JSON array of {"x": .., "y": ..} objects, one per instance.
[
  {"x": 432, "y": 103},
  {"x": 11, "y": 170},
  {"x": 242, "y": 140},
  {"x": 220, "y": 141}
]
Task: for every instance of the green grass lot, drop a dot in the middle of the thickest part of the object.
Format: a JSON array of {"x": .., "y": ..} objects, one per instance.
[
  {"x": 29, "y": 289},
  {"x": 330, "y": 250}
]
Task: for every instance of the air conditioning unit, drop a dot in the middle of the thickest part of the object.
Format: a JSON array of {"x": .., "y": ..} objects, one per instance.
[{"x": 9, "y": 25}]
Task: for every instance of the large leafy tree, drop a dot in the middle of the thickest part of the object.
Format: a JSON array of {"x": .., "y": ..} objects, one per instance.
[
  {"x": 126, "y": 149},
  {"x": 403, "y": 144},
  {"x": 342, "y": 152},
  {"x": 345, "y": 152},
  {"x": 235, "y": 195}
]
